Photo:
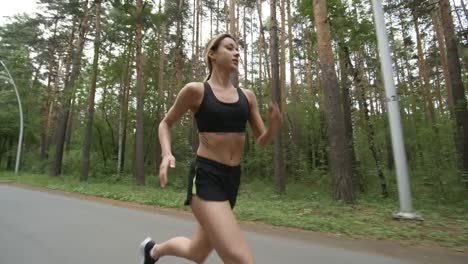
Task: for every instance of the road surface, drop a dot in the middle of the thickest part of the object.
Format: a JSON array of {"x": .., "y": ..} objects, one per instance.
[{"x": 49, "y": 228}]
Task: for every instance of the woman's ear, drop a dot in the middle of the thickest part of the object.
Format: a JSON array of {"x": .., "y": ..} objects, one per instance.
[{"x": 212, "y": 55}]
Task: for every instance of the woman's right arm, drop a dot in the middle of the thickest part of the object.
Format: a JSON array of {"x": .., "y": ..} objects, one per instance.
[{"x": 188, "y": 98}]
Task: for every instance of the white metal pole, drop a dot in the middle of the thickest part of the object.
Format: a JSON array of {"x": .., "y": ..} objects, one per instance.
[
  {"x": 406, "y": 207},
  {"x": 20, "y": 139}
]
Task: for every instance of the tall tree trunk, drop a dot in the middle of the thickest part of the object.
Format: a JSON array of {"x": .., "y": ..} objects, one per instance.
[
  {"x": 283, "y": 53},
  {"x": 140, "y": 97},
  {"x": 408, "y": 48},
  {"x": 309, "y": 58},
  {"x": 101, "y": 144},
  {"x": 262, "y": 38},
  {"x": 211, "y": 23},
  {"x": 45, "y": 124},
  {"x": 217, "y": 19},
  {"x": 245, "y": 59},
  {"x": 464, "y": 9},
  {"x": 197, "y": 33},
  {"x": 359, "y": 82},
  {"x": 122, "y": 92},
  {"x": 459, "y": 20},
  {"x": 340, "y": 160},
  {"x": 90, "y": 113},
  {"x": 233, "y": 32},
  {"x": 104, "y": 111},
  {"x": 68, "y": 94},
  {"x": 280, "y": 177},
  {"x": 458, "y": 90},
  {"x": 438, "y": 94},
  {"x": 252, "y": 53},
  {"x": 423, "y": 71},
  {"x": 294, "y": 93},
  {"x": 226, "y": 12},
  {"x": 260, "y": 72},
  {"x": 69, "y": 131},
  {"x": 160, "y": 107},
  {"x": 178, "y": 55},
  {"x": 123, "y": 112},
  {"x": 439, "y": 30},
  {"x": 193, "y": 135},
  {"x": 345, "y": 66},
  {"x": 195, "y": 24},
  {"x": 48, "y": 93}
]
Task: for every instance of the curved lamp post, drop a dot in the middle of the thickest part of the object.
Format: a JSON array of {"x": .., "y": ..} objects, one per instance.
[{"x": 20, "y": 139}]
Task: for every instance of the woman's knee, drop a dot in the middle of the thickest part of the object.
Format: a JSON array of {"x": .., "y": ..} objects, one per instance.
[
  {"x": 233, "y": 256},
  {"x": 199, "y": 257},
  {"x": 199, "y": 254}
]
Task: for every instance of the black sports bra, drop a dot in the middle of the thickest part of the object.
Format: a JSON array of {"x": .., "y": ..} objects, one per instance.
[{"x": 217, "y": 116}]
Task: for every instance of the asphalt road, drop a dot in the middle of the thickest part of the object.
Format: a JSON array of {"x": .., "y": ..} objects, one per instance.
[{"x": 47, "y": 228}]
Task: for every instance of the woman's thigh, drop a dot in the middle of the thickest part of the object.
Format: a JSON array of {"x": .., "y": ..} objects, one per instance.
[{"x": 222, "y": 229}]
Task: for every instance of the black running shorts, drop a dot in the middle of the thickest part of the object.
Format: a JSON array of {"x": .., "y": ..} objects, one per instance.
[{"x": 213, "y": 181}]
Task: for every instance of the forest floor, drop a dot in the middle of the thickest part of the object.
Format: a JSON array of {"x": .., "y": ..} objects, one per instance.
[{"x": 444, "y": 225}]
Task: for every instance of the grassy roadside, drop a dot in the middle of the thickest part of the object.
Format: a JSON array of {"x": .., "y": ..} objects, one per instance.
[{"x": 300, "y": 208}]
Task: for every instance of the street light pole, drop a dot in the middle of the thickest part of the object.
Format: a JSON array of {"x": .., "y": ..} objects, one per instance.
[
  {"x": 20, "y": 139},
  {"x": 406, "y": 207}
]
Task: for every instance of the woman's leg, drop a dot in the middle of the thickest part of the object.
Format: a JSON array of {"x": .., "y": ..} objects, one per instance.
[
  {"x": 225, "y": 235},
  {"x": 196, "y": 249}
]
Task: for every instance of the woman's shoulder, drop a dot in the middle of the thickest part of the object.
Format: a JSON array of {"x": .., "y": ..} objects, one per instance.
[
  {"x": 248, "y": 93},
  {"x": 193, "y": 88}
]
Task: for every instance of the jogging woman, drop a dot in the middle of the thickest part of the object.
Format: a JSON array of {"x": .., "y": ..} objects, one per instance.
[{"x": 221, "y": 112}]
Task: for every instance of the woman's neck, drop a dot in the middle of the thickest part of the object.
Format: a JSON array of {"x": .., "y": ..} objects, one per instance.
[{"x": 220, "y": 78}]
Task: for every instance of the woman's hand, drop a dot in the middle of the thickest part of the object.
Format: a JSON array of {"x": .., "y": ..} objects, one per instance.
[
  {"x": 275, "y": 118},
  {"x": 166, "y": 162}
]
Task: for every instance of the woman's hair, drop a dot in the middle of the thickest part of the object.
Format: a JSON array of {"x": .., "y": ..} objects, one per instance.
[{"x": 213, "y": 45}]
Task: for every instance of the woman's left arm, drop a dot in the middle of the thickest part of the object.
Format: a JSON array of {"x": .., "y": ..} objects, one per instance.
[{"x": 263, "y": 136}]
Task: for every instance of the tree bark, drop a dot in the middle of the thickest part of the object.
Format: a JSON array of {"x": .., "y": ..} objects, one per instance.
[
  {"x": 178, "y": 55},
  {"x": 101, "y": 144},
  {"x": 233, "y": 32},
  {"x": 68, "y": 94},
  {"x": 296, "y": 135},
  {"x": 160, "y": 108},
  {"x": 47, "y": 101},
  {"x": 435, "y": 15},
  {"x": 423, "y": 71},
  {"x": 345, "y": 67},
  {"x": 69, "y": 131},
  {"x": 283, "y": 54},
  {"x": 85, "y": 160},
  {"x": 262, "y": 39},
  {"x": 459, "y": 20},
  {"x": 458, "y": 90},
  {"x": 340, "y": 160},
  {"x": 280, "y": 179},
  {"x": 464, "y": 9},
  {"x": 140, "y": 97},
  {"x": 245, "y": 59},
  {"x": 123, "y": 111},
  {"x": 370, "y": 133}
]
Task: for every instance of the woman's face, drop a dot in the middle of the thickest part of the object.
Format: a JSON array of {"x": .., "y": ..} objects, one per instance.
[{"x": 227, "y": 54}]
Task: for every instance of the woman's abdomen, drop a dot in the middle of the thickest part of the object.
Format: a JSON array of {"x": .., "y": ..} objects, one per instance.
[{"x": 226, "y": 148}]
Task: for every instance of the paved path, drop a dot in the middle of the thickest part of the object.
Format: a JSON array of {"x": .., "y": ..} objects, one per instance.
[{"x": 47, "y": 228}]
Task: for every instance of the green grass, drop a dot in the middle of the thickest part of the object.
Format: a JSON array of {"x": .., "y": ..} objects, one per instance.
[{"x": 305, "y": 207}]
